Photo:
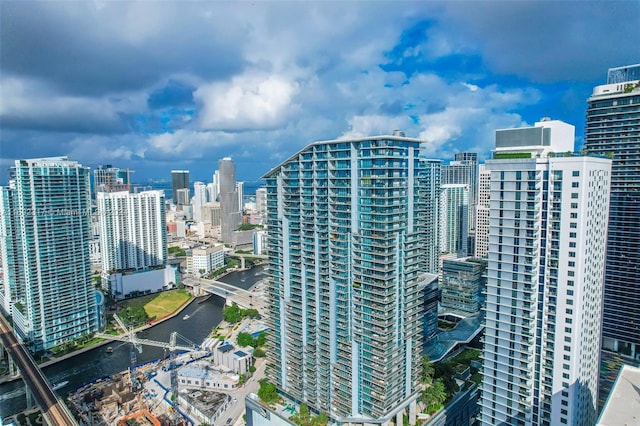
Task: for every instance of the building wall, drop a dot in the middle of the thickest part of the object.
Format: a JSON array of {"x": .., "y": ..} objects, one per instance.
[
  {"x": 482, "y": 213},
  {"x": 138, "y": 283},
  {"x": 454, "y": 216}
]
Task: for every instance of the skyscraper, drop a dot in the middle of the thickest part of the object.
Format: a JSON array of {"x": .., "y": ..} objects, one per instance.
[
  {"x": 464, "y": 170},
  {"x": 45, "y": 248},
  {"x": 110, "y": 179},
  {"x": 133, "y": 237},
  {"x": 199, "y": 199},
  {"x": 613, "y": 129},
  {"x": 548, "y": 226},
  {"x": 179, "y": 180},
  {"x": 454, "y": 219},
  {"x": 230, "y": 216},
  {"x": 350, "y": 233}
]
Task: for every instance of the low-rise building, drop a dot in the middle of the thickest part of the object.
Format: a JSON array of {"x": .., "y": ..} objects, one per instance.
[
  {"x": 203, "y": 260},
  {"x": 206, "y": 407},
  {"x": 204, "y": 376},
  {"x": 235, "y": 359}
]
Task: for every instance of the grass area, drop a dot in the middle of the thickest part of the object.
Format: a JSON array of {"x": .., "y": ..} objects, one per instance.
[{"x": 159, "y": 304}]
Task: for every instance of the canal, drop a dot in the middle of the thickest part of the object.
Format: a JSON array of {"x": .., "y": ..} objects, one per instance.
[{"x": 97, "y": 363}]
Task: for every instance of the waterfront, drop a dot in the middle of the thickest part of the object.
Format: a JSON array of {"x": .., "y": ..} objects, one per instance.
[{"x": 96, "y": 363}]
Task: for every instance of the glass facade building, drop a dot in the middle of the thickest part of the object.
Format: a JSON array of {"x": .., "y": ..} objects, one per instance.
[
  {"x": 45, "y": 247},
  {"x": 462, "y": 284},
  {"x": 352, "y": 232},
  {"x": 613, "y": 129}
]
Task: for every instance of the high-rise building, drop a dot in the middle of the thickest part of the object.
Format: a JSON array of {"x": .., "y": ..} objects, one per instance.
[
  {"x": 462, "y": 284},
  {"x": 182, "y": 197},
  {"x": 350, "y": 233},
  {"x": 547, "y": 231},
  {"x": 133, "y": 240},
  {"x": 482, "y": 213},
  {"x": 212, "y": 192},
  {"x": 199, "y": 199},
  {"x": 230, "y": 215},
  {"x": 261, "y": 200},
  {"x": 179, "y": 180},
  {"x": 240, "y": 191},
  {"x": 45, "y": 231},
  {"x": 464, "y": 170},
  {"x": 110, "y": 179},
  {"x": 613, "y": 129},
  {"x": 454, "y": 216}
]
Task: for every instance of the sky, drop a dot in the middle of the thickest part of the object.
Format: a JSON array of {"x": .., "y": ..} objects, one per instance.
[{"x": 155, "y": 86}]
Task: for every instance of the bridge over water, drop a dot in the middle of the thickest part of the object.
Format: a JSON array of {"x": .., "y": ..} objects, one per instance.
[{"x": 243, "y": 298}]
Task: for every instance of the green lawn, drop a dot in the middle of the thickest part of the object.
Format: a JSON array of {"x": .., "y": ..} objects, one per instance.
[{"x": 159, "y": 304}]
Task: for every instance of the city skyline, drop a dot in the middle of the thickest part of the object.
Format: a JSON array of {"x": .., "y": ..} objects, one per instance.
[{"x": 145, "y": 94}]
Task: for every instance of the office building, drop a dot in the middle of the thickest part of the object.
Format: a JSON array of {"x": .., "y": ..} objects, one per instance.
[
  {"x": 133, "y": 243},
  {"x": 547, "y": 230},
  {"x": 464, "y": 170},
  {"x": 45, "y": 230},
  {"x": 203, "y": 260},
  {"x": 179, "y": 180},
  {"x": 613, "y": 129},
  {"x": 199, "y": 199},
  {"x": 454, "y": 216},
  {"x": 350, "y": 233},
  {"x": 212, "y": 192},
  {"x": 482, "y": 213},
  {"x": 230, "y": 215},
  {"x": 110, "y": 179},
  {"x": 183, "y": 197},
  {"x": 462, "y": 284}
]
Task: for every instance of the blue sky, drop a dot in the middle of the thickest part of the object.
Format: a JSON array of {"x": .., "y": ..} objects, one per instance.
[{"x": 156, "y": 86}]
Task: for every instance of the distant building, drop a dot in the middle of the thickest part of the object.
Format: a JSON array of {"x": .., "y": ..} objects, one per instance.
[
  {"x": 259, "y": 242},
  {"x": 230, "y": 214},
  {"x": 240, "y": 191},
  {"x": 110, "y": 179},
  {"x": 199, "y": 199},
  {"x": 482, "y": 213},
  {"x": 45, "y": 233},
  {"x": 212, "y": 192},
  {"x": 464, "y": 170},
  {"x": 203, "y": 260},
  {"x": 454, "y": 216},
  {"x": 547, "y": 228},
  {"x": 183, "y": 197},
  {"x": 462, "y": 284},
  {"x": 210, "y": 213},
  {"x": 430, "y": 292},
  {"x": 179, "y": 180},
  {"x": 261, "y": 200}
]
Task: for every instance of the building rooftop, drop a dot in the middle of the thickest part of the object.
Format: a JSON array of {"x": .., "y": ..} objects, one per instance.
[
  {"x": 207, "y": 402},
  {"x": 443, "y": 342},
  {"x": 623, "y": 405}
]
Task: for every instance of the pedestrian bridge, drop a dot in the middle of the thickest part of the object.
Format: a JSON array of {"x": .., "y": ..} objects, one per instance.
[{"x": 241, "y": 297}]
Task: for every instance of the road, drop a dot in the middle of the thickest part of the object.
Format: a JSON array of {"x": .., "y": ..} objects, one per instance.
[{"x": 53, "y": 410}]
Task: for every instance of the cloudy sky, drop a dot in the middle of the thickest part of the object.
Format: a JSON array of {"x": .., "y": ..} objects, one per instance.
[{"x": 155, "y": 86}]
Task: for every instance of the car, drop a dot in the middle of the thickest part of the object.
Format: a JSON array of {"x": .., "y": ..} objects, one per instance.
[{"x": 228, "y": 422}]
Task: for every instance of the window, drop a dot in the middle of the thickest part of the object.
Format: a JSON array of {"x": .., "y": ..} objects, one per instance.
[
  {"x": 575, "y": 173},
  {"x": 572, "y": 244},
  {"x": 574, "y": 184},
  {"x": 572, "y": 234},
  {"x": 574, "y": 195},
  {"x": 574, "y": 205},
  {"x": 573, "y": 225},
  {"x": 572, "y": 264},
  {"x": 574, "y": 215}
]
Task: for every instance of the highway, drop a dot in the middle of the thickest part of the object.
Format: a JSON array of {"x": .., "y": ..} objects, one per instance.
[{"x": 53, "y": 409}]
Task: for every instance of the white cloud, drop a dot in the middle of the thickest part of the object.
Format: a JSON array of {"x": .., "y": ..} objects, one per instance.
[
  {"x": 188, "y": 144},
  {"x": 247, "y": 102}
]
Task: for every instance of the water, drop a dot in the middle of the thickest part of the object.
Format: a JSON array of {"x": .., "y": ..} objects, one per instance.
[{"x": 97, "y": 363}]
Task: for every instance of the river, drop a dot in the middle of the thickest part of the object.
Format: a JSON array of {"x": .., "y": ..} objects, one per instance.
[{"x": 97, "y": 363}]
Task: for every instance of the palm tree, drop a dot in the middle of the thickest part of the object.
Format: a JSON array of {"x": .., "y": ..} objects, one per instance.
[{"x": 427, "y": 369}]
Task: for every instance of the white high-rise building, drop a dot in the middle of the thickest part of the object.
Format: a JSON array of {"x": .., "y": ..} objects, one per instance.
[
  {"x": 230, "y": 215},
  {"x": 133, "y": 242},
  {"x": 547, "y": 238},
  {"x": 240, "y": 191},
  {"x": 199, "y": 199},
  {"x": 454, "y": 218},
  {"x": 261, "y": 200},
  {"x": 482, "y": 213},
  {"x": 45, "y": 232},
  {"x": 212, "y": 192}
]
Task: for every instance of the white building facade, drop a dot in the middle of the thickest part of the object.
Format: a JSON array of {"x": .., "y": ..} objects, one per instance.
[
  {"x": 547, "y": 233},
  {"x": 454, "y": 218},
  {"x": 482, "y": 212}
]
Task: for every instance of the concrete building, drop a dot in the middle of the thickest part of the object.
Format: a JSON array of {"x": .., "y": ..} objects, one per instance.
[
  {"x": 462, "y": 284},
  {"x": 230, "y": 214},
  {"x": 183, "y": 197},
  {"x": 482, "y": 213},
  {"x": 203, "y": 260},
  {"x": 202, "y": 376},
  {"x": 207, "y": 407},
  {"x": 260, "y": 240},
  {"x": 454, "y": 216},
  {"x": 623, "y": 404},
  {"x": 548, "y": 225},
  {"x": 234, "y": 359},
  {"x": 212, "y": 192},
  {"x": 240, "y": 191},
  {"x": 45, "y": 232},
  {"x": 613, "y": 129},
  {"x": 133, "y": 239},
  {"x": 351, "y": 232},
  {"x": 261, "y": 200},
  {"x": 179, "y": 180}
]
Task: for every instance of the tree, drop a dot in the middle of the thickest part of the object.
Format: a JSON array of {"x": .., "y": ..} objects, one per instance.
[
  {"x": 268, "y": 392},
  {"x": 427, "y": 369},
  {"x": 245, "y": 339},
  {"x": 434, "y": 395},
  {"x": 232, "y": 313},
  {"x": 252, "y": 369}
]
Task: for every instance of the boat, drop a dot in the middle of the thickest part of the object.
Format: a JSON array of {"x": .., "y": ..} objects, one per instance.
[
  {"x": 186, "y": 317},
  {"x": 109, "y": 350},
  {"x": 60, "y": 385}
]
